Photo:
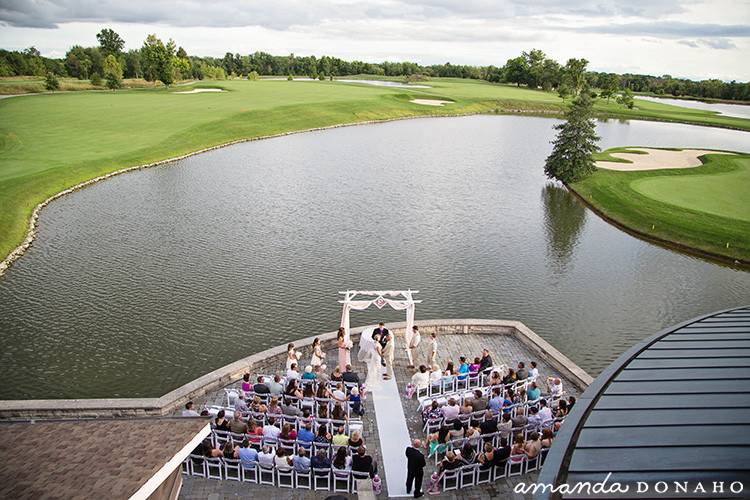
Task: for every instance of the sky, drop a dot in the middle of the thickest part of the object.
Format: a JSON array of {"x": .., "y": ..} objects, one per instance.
[{"x": 684, "y": 38}]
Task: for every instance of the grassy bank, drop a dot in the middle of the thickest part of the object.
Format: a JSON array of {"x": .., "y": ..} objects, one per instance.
[
  {"x": 51, "y": 142},
  {"x": 703, "y": 208}
]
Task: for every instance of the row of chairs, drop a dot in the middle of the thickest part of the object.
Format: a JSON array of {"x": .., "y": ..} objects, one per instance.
[
  {"x": 232, "y": 393},
  {"x": 433, "y": 424},
  {"x": 279, "y": 419},
  {"x": 461, "y": 396},
  {"x": 454, "y": 383},
  {"x": 474, "y": 474},
  {"x": 219, "y": 438},
  {"x": 336, "y": 480}
]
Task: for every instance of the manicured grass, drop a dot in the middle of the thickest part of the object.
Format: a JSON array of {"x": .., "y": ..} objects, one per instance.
[
  {"x": 702, "y": 208},
  {"x": 50, "y": 142}
]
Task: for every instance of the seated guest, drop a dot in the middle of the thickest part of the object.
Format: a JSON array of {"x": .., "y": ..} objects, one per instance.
[
  {"x": 266, "y": 457},
  {"x": 248, "y": 456},
  {"x": 457, "y": 431},
  {"x": 322, "y": 411},
  {"x": 450, "y": 368},
  {"x": 340, "y": 438},
  {"x": 489, "y": 425},
  {"x": 258, "y": 406},
  {"x": 432, "y": 412},
  {"x": 463, "y": 368},
  {"x": 479, "y": 403},
  {"x": 522, "y": 373},
  {"x": 320, "y": 374},
  {"x": 260, "y": 387},
  {"x": 275, "y": 387},
  {"x": 518, "y": 445},
  {"x": 356, "y": 440},
  {"x": 355, "y": 402},
  {"x": 308, "y": 375},
  {"x": 495, "y": 378},
  {"x": 305, "y": 434},
  {"x": 510, "y": 377},
  {"x": 291, "y": 410},
  {"x": 520, "y": 397},
  {"x": 350, "y": 376},
  {"x": 274, "y": 408},
  {"x": 292, "y": 389},
  {"x": 468, "y": 454},
  {"x": 320, "y": 461},
  {"x": 308, "y": 395},
  {"x": 270, "y": 431},
  {"x": 421, "y": 379},
  {"x": 323, "y": 392},
  {"x": 221, "y": 423},
  {"x": 554, "y": 387},
  {"x": 466, "y": 408},
  {"x": 206, "y": 449},
  {"x": 505, "y": 425},
  {"x": 281, "y": 459},
  {"x": 300, "y": 462},
  {"x": 451, "y": 410},
  {"x": 533, "y": 392},
  {"x": 342, "y": 460},
  {"x": 474, "y": 367},
  {"x": 450, "y": 462},
  {"x": 446, "y": 379},
  {"x": 336, "y": 376},
  {"x": 287, "y": 433},
  {"x": 562, "y": 409},
  {"x": 533, "y": 371},
  {"x": 438, "y": 439},
  {"x": 230, "y": 451},
  {"x": 364, "y": 463},
  {"x": 323, "y": 436},
  {"x": 486, "y": 362},
  {"x": 487, "y": 459},
  {"x": 519, "y": 419},
  {"x": 496, "y": 401},
  {"x": 435, "y": 374},
  {"x": 546, "y": 438},
  {"x": 338, "y": 412},
  {"x": 237, "y": 426},
  {"x": 246, "y": 385},
  {"x": 571, "y": 402},
  {"x": 339, "y": 394},
  {"x": 534, "y": 420},
  {"x": 292, "y": 372},
  {"x": 240, "y": 405},
  {"x": 254, "y": 433},
  {"x": 545, "y": 414},
  {"x": 533, "y": 446}
]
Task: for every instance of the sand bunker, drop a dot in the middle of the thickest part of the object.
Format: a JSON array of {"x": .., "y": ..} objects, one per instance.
[
  {"x": 430, "y": 102},
  {"x": 198, "y": 91},
  {"x": 657, "y": 159}
]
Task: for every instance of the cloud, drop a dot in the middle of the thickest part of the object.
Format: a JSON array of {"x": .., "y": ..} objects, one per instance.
[
  {"x": 667, "y": 29},
  {"x": 717, "y": 43}
]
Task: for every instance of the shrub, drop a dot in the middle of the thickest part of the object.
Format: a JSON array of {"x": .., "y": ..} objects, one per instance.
[
  {"x": 253, "y": 75},
  {"x": 51, "y": 82},
  {"x": 96, "y": 79},
  {"x": 322, "y": 78},
  {"x": 290, "y": 78}
]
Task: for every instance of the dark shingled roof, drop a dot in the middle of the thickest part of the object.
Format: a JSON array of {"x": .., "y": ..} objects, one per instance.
[
  {"x": 675, "y": 407},
  {"x": 80, "y": 459}
]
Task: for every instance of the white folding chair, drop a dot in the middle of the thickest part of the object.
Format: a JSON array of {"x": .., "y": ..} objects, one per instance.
[
  {"x": 515, "y": 466},
  {"x": 199, "y": 465},
  {"x": 484, "y": 475},
  {"x": 285, "y": 477},
  {"x": 232, "y": 470},
  {"x": 341, "y": 480},
  {"x": 214, "y": 468},
  {"x": 187, "y": 466},
  {"x": 468, "y": 475},
  {"x": 303, "y": 480},
  {"x": 250, "y": 474},
  {"x": 322, "y": 479},
  {"x": 266, "y": 475},
  {"x": 451, "y": 479}
]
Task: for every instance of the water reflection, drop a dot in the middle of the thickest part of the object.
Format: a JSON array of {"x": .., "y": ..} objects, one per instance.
[{"x": 564, "y": 219}]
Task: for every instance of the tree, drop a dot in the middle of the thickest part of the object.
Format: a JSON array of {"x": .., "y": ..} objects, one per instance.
[
  {"x": 157, "y": 60},
  {"x": 574, "y": 75},
  {"x": 51, "y": 82},
  {"x": 112, "y": 72},
  {"x": 110, "y": 42},
  {"x": 535, "y": 64},
  {"x": 516, "y": 70},
  {"x": 609, "y": 85},
  {"x": 96, "y": 79},
  {"x": 571, "y": 158},
  {"x": 626, "y": 98}
]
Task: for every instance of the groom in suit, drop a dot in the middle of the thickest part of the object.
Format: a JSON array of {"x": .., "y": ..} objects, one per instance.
[{"x": 385, "y": 337}]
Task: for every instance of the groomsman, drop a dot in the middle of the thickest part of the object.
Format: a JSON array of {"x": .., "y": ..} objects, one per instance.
[{"x": 415, "y": 464}]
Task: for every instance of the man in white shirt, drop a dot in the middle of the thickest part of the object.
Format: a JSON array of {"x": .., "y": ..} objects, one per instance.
[
  {"x": 435, "y": 374},
  {"x": 189, "y": 411},
  {"x": 275, "y": 386},
  {"x": 338, "y": 393},
  {"x": 545, "y": 414},
  {"x": 421, "y": 379},
  {"x": 451, "y": 410},
  {"x": 239, "y": 404},
  {"x": 266, "y": 456},
  {"x": 555, "y": 388},
  {"x": 533, "y": 370},
  {"x": 292, "y": 372},
  {"x": 271, "y": 431}
]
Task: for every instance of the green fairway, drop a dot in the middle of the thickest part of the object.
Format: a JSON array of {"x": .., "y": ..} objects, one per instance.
[
  {"x": 50, "y": 142},
  {"x": 703, "y": 208}
]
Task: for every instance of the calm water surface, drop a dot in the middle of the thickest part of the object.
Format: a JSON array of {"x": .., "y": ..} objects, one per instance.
[
  {"x": 737, "y": 110},
  {"x": 141, "y": 283}
]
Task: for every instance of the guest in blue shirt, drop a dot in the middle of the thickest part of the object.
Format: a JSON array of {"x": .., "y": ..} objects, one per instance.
[
  {"x": 308, "y": 375},
  {"x": 301, "y": 462},
  {"x": 248, "y": 456},
  {"x": 320, "y": 461},
  {"x": 463, "y": 368},
  {"x": 305, "y": 435},
  {"x": 533, "y": 392}
]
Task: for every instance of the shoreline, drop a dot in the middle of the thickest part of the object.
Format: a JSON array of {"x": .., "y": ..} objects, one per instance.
[{"x": 32, "y": 224}]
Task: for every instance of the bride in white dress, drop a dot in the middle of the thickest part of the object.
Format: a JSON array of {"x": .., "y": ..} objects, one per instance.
[{"x": 370, "y": 353}]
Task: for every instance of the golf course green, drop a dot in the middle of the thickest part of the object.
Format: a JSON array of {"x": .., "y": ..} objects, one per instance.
[
  {"x": 704, "y": 208},
  {"x": 51, "y": 142}
]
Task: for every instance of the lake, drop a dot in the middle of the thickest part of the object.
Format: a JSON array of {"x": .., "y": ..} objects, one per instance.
[
  {"x": 141, "y": 283},
  {"x": 736, "y": 110}
]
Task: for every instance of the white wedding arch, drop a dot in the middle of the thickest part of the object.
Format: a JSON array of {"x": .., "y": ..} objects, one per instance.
[{"x": 398, "y": 299}]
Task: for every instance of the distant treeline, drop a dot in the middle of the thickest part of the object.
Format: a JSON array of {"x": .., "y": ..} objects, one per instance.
[{"x": 166, "y": 62}]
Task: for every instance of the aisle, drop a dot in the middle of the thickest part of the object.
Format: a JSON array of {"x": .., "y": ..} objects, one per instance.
[{"x": 393, "y": 434}]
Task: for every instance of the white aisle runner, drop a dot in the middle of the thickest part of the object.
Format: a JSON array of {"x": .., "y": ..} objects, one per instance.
[{"x": 393, "y": 434}]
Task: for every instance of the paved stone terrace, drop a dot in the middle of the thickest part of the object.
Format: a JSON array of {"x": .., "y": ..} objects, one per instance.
[{"x": 503, "y": 348}]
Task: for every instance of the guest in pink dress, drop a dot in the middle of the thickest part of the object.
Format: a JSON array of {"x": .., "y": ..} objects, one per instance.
[{"x": 344, "y": 349}]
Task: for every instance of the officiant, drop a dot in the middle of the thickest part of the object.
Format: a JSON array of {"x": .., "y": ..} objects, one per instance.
[{"x": 385, "y": 337}]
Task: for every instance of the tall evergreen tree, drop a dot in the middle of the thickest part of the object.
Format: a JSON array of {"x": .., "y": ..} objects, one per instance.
[{"x": 571, "y": 158}]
